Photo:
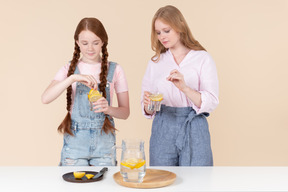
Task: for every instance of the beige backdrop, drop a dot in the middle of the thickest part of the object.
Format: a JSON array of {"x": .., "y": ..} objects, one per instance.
[{"x": 247, "y": 39}]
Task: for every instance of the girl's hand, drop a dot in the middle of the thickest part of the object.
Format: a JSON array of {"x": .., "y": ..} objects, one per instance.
[
  {"x": 146, "y": 101},
  {"x": 101, "y": 105},
  {"x": 87, "y": 80},
  {"x": 177, "y": 79}
]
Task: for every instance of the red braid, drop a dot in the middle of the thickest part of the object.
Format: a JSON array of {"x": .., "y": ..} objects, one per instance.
[
  {"x": 64, "y": 127},
  {"x": 107, "y": 126}
]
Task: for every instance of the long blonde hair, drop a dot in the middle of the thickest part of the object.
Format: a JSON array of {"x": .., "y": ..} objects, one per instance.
[{"x": 172, "y": 16}]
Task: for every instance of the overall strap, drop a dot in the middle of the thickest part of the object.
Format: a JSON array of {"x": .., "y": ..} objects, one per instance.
[
  {"x": 112, "y": 67},
  {"x": 109, "y": 78},
  {"x": 76, "y": 70}
]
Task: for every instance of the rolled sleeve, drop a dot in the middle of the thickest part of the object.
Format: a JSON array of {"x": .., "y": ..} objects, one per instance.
[
  {"x": 209, "y": 86},
  {"x": 146, "y": 86}
]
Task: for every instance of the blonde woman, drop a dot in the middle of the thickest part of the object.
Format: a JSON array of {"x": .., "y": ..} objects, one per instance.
[{"x": 186, "y": 75}]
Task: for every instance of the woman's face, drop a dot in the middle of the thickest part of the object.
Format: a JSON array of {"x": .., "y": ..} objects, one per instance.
[
  {"x": 168, "y": 37},
  {"x": 90, "y": 46}
]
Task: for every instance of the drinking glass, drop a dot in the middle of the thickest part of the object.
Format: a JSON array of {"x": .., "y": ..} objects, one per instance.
[
  {"x": 155, "y": 101},
  {"x": 93, "y": 98}
]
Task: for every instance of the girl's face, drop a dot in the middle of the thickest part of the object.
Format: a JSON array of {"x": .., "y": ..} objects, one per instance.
[
  {"x": 90, "y": 46},
  {"x": 168, "y": 37}
]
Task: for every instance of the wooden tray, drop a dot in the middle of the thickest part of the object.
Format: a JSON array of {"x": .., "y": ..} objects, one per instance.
[{"x": 154, "y": 178}]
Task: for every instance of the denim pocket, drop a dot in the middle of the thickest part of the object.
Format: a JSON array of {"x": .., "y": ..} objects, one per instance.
[
  {"x": 105, "y": 143},
  {"x": 83, "y": 105}
]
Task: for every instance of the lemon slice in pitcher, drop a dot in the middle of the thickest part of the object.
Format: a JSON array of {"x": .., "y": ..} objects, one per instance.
[
  {"x": 94, "y": 95},
  {"x": 133, "y": 163}
]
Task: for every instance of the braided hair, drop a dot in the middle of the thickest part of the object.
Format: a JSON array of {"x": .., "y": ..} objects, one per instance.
[{"x": 95, "y": 26}]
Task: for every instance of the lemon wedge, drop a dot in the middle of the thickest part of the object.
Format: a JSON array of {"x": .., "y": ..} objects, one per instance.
[
  {"x": 94, "y": 95},
  {"x": 156, "y": 97},
  {"x": 78, "y": 175},
  {"x": 133, "y": 163},
  {"x": 89, "y": 176}
]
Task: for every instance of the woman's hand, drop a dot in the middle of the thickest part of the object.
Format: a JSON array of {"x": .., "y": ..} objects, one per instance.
[
  {"x": 87, "y": 80},
  {"x": 146, "y": 102},
  {"x": 177, "y": 79},
  {"x": 101, "y": 105}
]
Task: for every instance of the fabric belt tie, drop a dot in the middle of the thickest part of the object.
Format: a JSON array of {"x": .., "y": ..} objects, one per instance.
[{"x": 183, "y": 140}]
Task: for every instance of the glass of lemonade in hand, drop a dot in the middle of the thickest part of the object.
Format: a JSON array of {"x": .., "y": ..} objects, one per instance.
[
  {"x": 155, "y": 101},
  {"x": 93, "y": 96}
]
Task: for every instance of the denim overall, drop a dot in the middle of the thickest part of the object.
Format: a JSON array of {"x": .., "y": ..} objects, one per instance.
[
  {"x": 88, "y": 146},
  {"x": 180, "y": 137}
]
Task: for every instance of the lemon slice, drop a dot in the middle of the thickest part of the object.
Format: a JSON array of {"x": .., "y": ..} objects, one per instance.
[
  {"x": 156, "y": 97},
  {"x": 78, "y": 175},
  {"x": 133, "y": 163},
  {"x": 140, "y": 164},
  {"x": 94, "y": 95},
  {"x": 89, "y": 176}
]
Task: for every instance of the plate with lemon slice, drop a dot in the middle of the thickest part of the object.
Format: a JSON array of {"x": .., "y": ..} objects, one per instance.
[{"x": 81, "y": 177}]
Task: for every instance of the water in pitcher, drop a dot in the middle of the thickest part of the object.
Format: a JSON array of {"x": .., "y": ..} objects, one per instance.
[{"x": 133, "y": 163}]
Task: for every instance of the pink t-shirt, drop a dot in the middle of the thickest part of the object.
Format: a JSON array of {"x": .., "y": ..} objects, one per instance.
[
  {"x": 119, "y": 82},
  {"x": 199, "y": 71}
]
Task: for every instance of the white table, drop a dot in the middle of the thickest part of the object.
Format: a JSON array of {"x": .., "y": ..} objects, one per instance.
[{"x": 188, "y": 179}]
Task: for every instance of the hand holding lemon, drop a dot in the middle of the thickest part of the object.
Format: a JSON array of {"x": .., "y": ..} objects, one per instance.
[{"x": 93, "y": 96}]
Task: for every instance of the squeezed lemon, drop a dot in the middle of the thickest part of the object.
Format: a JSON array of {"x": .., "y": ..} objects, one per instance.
[
  {"x": 156, "y": 97},
  {"x": 133, "y": 163},
  {"x": 94, "y": 95},
  {"x": 78, "y": 174},
  {"x": 89, "y": 176}
]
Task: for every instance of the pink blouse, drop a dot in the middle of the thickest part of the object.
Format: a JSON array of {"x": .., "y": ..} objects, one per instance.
[{"x": 200, "y": 74}]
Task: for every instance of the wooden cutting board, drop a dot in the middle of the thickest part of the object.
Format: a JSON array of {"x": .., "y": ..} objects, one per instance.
[{"x": 154, "y": 178}]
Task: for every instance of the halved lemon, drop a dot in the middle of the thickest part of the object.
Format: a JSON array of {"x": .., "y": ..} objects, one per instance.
[
  {"x": 78, "y": 174},
  {"x": 156, "y": 97},
  {"x": 94, "y": 95},
  {"x": 89, "y": 176},
  {"x": 133, "y": 163}
]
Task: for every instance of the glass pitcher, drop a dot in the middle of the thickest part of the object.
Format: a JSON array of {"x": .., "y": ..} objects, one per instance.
[{"x": 133, "y": 163}]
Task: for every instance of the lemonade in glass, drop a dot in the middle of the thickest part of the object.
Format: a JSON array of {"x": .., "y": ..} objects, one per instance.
[
  {"x": 155, "y": 102},
  {"x": 93, "y": 96}
]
